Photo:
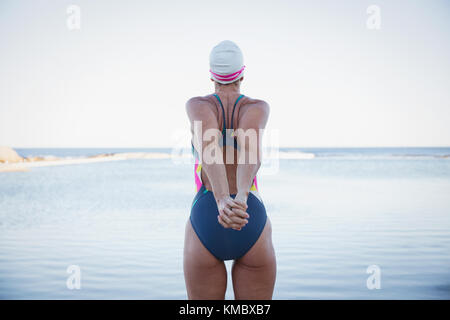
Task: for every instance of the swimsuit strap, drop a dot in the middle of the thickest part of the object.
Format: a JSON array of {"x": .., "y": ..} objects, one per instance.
[
  {"x": 223, "y": 111},
  {"x": 223, "y": 115},
  {"x": 224, "y": 133},
  {"x": 232, "y": 115}
]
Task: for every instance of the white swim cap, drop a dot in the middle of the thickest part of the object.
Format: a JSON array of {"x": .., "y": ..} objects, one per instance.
[{"x": 226, "y": 62}]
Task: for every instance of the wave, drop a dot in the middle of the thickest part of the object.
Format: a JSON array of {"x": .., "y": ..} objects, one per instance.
[
  {"x": 383, "y": 156},
  {"x": 291, "y": 155}
]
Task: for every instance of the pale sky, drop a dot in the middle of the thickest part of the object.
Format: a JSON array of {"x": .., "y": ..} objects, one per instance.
[{"x": 122, "y": 80}]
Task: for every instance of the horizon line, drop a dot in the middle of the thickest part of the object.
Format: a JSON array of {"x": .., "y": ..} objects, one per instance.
[{"x": 187, "y": 147}]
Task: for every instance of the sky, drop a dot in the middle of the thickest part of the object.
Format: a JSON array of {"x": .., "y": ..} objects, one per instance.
[{"x": 122, "y": 78}]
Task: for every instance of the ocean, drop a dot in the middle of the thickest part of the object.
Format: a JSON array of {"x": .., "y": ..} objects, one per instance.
[{"x": 337, "y": 214}]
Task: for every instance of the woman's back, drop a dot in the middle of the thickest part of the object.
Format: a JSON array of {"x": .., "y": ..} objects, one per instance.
[{"x": 235, "y": 110}]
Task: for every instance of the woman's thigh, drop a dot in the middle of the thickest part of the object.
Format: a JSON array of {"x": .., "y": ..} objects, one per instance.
[
  {"x": 254, "y": 274},
  {"x": 204, "y": 274}
]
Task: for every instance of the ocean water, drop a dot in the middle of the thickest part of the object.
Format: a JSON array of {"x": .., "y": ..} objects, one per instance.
[{"x": 334, "y": 215}]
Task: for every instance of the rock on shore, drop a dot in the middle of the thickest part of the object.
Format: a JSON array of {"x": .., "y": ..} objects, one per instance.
[{"x": 8, "y": 155}]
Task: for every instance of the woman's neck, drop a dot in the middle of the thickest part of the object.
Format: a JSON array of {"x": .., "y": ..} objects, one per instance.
[{"x": 227, "y": 89}]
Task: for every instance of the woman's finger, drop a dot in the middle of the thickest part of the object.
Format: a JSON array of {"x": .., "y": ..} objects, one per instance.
[
  {"x": 226, "y": 226},
  {"x": 231, "y": 203},
  {"x": 236, "y": 204},
  {"x": 232, "y": 222},
  {"x": 226, "y": 219},
  {"x": 239, "y": 223},
  {"x": 238, "y": 220},
  {"x": 227, "y": 211},
  {"x": 236, "y": 217},
  {"x": 240, "y": 213}
]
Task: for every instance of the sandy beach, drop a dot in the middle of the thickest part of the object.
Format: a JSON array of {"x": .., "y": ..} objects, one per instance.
[{"x": 10, "y": 161}]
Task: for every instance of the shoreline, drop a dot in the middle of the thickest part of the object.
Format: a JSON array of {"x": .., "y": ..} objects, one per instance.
[
  {"x": 27, "y": 163},
  {"x": 10, "y": 161}
]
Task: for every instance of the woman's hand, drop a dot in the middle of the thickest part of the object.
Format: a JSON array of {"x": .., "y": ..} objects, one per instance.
[
  {"x": 232, "y": 213},
  {"x": 241, "y": 199},
  {"x": 240, "y": 205}
]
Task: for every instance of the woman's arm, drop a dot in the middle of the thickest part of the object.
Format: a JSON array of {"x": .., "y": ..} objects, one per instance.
[
  {"x": 249, "y": 138},
  {"x": 200, "y": 113}
]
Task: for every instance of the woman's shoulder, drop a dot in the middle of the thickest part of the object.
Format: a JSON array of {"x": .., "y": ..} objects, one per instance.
[
  {"x": 199, "y": 101},
  {"x": 252, "y": 103},
  {"x": 199, "y": 104},
  {"x": 253, "y": 113}
]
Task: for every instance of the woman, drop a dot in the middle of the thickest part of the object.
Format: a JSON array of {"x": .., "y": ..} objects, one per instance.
[{"x": 228, "y": 220}]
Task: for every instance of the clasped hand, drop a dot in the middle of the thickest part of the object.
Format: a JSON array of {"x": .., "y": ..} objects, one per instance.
[{"x": 232, "y": 212}]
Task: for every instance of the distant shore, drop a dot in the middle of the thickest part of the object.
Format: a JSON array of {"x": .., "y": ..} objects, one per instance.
[
  {"x": 10, "y": 161},
  {"x": 25, "y": 159}
]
